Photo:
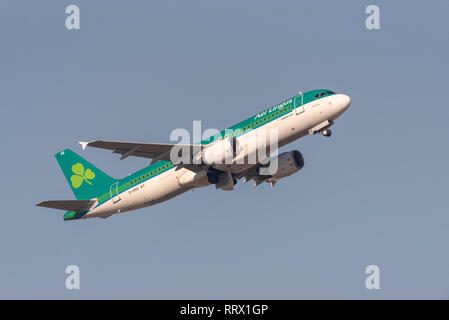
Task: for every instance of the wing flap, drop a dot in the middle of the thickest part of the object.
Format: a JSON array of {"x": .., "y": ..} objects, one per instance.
[{"x": 69, "y": 205}]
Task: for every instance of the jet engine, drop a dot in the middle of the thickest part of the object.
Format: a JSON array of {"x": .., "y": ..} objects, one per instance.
[
  {"x": 222, "y": 180},
  {"x": 283, "y": 165}
]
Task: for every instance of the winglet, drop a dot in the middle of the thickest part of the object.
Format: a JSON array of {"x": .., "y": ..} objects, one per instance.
[{"x": 83, "y": 144}]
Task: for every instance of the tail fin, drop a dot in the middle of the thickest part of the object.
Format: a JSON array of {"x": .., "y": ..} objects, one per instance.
[{"x": 87, "y": 181}]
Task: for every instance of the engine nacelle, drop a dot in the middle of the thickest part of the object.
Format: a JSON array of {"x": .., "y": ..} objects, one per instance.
[
  {"x": 287, "y": 164},
  {"x": 191, "y": 179},
  {"x": 220, "y": 152},
  {"x": 222, "y": 180}
]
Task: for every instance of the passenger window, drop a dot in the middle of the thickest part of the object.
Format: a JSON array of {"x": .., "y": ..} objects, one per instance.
[
  {"x": 323, "y": 94},
  {"x": 317, "y": 96}
]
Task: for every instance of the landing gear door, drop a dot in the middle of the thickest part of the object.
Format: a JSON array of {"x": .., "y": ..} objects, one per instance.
[
  {"x": 298, "y": 104},
  {"x": 114, "y": 193}
]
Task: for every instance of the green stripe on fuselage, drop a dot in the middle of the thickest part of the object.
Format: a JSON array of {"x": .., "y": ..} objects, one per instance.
[{"x": 269, "y": 114}]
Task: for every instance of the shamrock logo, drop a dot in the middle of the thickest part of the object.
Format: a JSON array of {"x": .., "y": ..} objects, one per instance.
[{"x": 80, "y": 175}]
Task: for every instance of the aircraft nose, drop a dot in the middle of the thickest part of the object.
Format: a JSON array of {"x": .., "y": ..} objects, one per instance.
[
  {"x": 344, "y": 101},
  {"x": 341, "y": 104}
]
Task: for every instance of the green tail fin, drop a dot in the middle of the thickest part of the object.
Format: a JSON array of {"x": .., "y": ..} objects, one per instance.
[{"x": 86, "y": 180}]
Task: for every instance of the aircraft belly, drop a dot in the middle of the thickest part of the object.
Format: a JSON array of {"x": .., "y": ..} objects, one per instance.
[
  {"x": 163, "y": 188},
  {"x": 104, "y": 210}
]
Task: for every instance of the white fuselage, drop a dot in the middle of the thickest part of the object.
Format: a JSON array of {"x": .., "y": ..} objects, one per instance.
[{"x": 290, "y": 127}]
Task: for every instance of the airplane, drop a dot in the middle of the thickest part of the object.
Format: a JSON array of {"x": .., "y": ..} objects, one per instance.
[{"x": 99, "y": 195}]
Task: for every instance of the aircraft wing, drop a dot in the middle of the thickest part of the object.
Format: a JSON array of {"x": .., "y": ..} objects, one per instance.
[
  {"x": 154, "y": 151},
  {"x": 161, "y": 151},
  {"x": 69, "y": 205}
]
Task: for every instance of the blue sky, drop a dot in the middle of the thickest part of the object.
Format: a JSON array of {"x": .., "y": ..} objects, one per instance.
[{"x": 373, "y": 193}]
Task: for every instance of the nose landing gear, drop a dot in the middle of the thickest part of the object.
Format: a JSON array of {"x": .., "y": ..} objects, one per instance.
[{"x": 326, "y": 132}]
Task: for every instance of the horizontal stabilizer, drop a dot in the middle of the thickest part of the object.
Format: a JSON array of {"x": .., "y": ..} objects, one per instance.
[{"x": 69, "y": 205}]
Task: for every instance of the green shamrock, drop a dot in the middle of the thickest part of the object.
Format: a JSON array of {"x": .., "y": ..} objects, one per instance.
[{"x": 80, "y": 175}]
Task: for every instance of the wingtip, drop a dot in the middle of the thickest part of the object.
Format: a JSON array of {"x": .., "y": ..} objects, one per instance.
[{"x": 83, "y": 144}]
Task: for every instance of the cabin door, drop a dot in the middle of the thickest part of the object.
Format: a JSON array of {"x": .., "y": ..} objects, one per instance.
[
  {"x": 298, "y": 104},
  {"x": 114, "y": 192}
]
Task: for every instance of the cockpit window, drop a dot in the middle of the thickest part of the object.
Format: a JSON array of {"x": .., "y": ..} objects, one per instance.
[{"x": 324, "y": 93}]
